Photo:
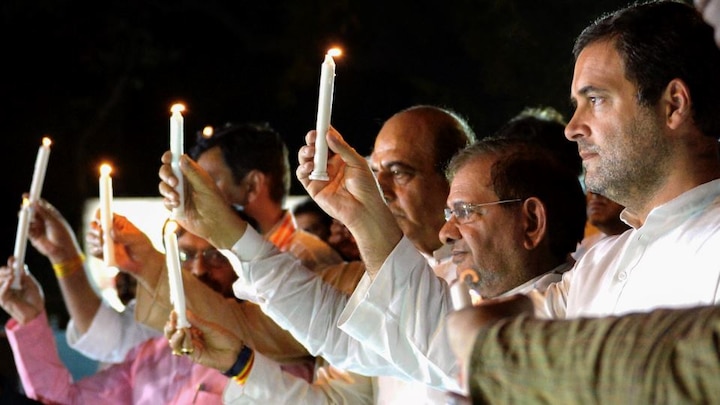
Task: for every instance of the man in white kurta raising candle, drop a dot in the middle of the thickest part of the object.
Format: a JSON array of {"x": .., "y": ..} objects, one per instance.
[{"x": 325, "y": 99}]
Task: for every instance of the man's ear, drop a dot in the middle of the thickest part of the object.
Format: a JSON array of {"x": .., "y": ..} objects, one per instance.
[
  {"x": 534, "y": 222},
  {"x": 677, "y": 103},
  {"x": 255, "y": 181}
]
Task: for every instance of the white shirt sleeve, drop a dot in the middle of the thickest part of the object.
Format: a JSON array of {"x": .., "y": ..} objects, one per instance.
[
  {"x": 310, "y": 309},
  {"x": 401, "y": 316},
  {"x": 300, "y": 302},
  {"x": 111, "y": 335},
  {"x": 267, "y": 383}
]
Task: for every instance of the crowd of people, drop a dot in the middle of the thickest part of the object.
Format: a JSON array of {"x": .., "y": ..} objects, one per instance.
[{"x": 589, "y": 247}]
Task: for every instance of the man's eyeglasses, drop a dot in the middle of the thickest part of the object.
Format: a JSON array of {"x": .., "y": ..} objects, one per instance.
[
  {"x": 212, "y": 257},
  {"x": 462, "y": 211}
]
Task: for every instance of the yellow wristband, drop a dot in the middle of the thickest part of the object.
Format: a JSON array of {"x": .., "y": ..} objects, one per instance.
[{"x": 69, "y": 267}]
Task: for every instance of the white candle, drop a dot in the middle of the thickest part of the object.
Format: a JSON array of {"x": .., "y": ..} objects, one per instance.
[
  {"x": 41, "y": 162},
  {"x": 172, "y": 259},
  {"x": 106, "y": 214},
  {"x": 325, "y": 99},
  {"x": 36, "y": 184},
  {"x": 177, "y": 136},
  {"x": 470, "y": 277},
  {"x": 460, "y": 295},
  {"x": 21, "y": 242}
]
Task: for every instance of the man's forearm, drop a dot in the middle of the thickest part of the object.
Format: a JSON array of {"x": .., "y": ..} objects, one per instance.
[
  {"x": 268, "y": 383},
  {"x": 245, "y": 320},
  {"x": 80, "y": 299},
  {"x": 301, "y": 302},
  {"x": 376, "y": 234}
]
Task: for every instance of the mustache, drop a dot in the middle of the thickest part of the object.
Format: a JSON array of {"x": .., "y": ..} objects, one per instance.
[{"x": 584, "y": 146}]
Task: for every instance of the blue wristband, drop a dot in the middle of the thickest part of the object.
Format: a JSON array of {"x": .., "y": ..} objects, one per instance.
[{"x": 240, "y": 362}]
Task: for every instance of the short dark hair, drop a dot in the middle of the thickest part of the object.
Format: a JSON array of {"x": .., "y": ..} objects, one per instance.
[
  {"x": 659, "y": 41},
  {"x": 544, "y": 126},
  {"x": 524, "y": 169},
  {"x": 250, "y": 146}
]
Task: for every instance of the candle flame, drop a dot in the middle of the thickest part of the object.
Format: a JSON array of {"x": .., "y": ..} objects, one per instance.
[
  {"x": 105, "y": 169},
  {"x": 177, "y": 108},
  {"x": 208, "y": 131},
  {"x": 46, "y": 141},
  {"x": 171, "y": 226},
  {"x": 25, "y": 202},
  {"x": 334, "y": 52}
]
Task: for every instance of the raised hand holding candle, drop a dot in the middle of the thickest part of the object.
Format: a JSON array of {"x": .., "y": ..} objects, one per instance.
[
  {"x": 177, "y": 146},
  {"x": 172, "y": 259},
  {"x": 325, "y": 99},
  {"x": 21, "y": 242},
  {"x": 106, "y": 214},
  {"x": 41, "y": 162}
]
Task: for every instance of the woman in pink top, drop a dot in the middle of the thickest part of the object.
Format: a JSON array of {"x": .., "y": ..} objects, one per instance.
[{"x": 150, "y": 373}]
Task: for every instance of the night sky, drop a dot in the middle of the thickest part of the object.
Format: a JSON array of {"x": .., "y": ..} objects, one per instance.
[{"x": 99, "y": 78}]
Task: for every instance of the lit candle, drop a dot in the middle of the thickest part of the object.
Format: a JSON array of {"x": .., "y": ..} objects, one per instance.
[
  {"x": 106, "y": 214},
  {"x": 177, "y": 147},
  {"x": 208, "y": 131},
  {"x": 36, "y": 184},
  {"x": 325, "y": 99},
  {"x": 41, "y": 163},
  {"x": 172, "y": 259},
  {"x": 21, "y": 242}
]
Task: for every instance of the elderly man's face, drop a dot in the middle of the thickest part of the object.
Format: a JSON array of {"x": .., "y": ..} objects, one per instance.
[
  {"x": 488, "y": 241},
  {"x": 403, "y": 161}
]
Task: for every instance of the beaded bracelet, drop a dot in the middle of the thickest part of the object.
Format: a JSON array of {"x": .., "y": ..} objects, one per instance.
[
  {"x": 240, "y": 371},
  {"x": 69, "y": 267}
]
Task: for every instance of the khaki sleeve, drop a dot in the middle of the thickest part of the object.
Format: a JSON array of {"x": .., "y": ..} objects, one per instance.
[{"x": 665, "y": 356}]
